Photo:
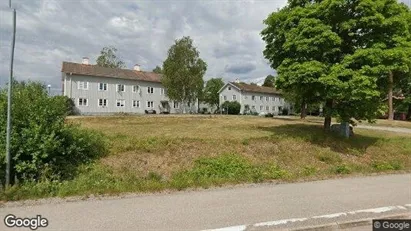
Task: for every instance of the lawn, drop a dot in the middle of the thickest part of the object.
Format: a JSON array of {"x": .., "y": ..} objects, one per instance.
[{"x": 155, "y": 153}]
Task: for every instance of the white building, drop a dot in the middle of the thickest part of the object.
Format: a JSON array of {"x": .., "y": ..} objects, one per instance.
[
  {"x": 102, "y": 90},
  {"x": 254, "y": 98}
]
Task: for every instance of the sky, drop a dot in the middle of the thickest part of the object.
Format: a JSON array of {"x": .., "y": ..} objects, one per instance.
[{"x": 226, "y": 33}]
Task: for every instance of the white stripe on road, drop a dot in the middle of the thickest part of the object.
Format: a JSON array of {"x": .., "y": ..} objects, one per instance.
[{"x": 327, "y": 216}]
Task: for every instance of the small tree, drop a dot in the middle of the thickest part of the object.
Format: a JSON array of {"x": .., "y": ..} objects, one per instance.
[
  {"x": 108, "y": 58},
  {"x": 183, "y": 72},
  {"x": 211, "y": 89},
  {"x": 269, "y": 81},
  {"x": 158, "y": 70},
  {"x": 233, "y": 107}
]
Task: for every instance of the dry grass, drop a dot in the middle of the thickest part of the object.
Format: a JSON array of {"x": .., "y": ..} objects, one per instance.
[{"x": 168, "y": 144}]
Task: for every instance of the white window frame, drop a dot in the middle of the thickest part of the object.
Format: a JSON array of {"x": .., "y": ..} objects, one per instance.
[
  {"x": 136, "y": 103},
  {"x": 102, "y": 86},
  {"x": 103, "y": 102},
  {"x": 267, "y": 98},
  {"x": 82, "y": 85},
  {"x": 136, "y": 88},
  {"x": 267, "y": 108},
  {"x": 261, "y": 107},
  {"x": 162, "y": 91},
  {"x": 261, "y": 98},
  {"x": 176, "y": 105},
  {"x": 82, "y": 102},
  {"x": 234, "y": 97},
  {"x": 224, "y": 97},
  {"x": 122, "y": 103},
  {"x": 273, "y": 109},
  {"x": 123, "y": 88},
  {"x": 253, "y": 107},
  {"x": 152, "y": 90},
  {"x": 253, "y": 97},
  {"x": 229, "y": 88},
  {"x": 148, "y": 104}
]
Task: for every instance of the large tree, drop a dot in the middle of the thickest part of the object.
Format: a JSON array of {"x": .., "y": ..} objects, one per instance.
[
  {"x": 211, "y": 89},
  {"x": 108, "y": 58},
  {"x": 315, "y": 46},
  {"x": 183, "y": 72},
  {"x": 269, "y": 81}
]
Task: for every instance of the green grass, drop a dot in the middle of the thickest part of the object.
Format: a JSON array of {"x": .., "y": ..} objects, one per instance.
[{"x": 156, "y": 153}]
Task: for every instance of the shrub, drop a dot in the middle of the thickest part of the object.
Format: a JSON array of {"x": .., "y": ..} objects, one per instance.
[
  {"x": 232, "y": 107},
  {"x": 269, "y": 115},
  {"x": 284, "y": 111},
  {"x": 42, "y": 145}
]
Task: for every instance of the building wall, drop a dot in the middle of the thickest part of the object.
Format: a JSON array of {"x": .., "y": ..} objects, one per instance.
[
  {"x": 93, "y": 94},
  {"x": 274, "y": 102}
]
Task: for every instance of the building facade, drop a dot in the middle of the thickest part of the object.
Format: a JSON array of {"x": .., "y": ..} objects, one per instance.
[
  {"x": 101, "y": 90},
  {"x": 253, "y": 98}
]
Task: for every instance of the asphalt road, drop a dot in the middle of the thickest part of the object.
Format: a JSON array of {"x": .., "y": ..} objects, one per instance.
[{"x": 317, "y": 202}]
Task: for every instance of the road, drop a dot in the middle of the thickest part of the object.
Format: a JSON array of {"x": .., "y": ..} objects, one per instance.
[
  {"x": 250, "y": 207},
  {"x": 383, "y": 128}
]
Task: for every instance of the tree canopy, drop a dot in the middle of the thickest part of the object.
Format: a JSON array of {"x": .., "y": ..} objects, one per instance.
[
  {"x": 211, "y": 89},
  {"x": 108, "y": 58},
  {"x": 328, "y": 51},
  {"x": 183, "y": 71},
  {"x": 269, "y": 81},
  {"x": 158, "y": 70}
]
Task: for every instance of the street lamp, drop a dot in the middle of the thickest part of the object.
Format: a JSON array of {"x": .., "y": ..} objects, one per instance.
[{"x": 49, "y": 86}]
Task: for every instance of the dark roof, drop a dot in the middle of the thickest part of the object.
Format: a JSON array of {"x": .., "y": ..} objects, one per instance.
[
  {"x": 256, "y": 88},
  {"x": 94, "y": 70}
]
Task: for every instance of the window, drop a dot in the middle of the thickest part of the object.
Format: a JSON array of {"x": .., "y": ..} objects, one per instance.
[
  {"x": 245, "y": 97},
  {"x": 175, "y": 106},
  {"x": 162, "y": 91},
  {"x": 253, "y": 97},
  {"x": 234, "y": 97},
  {"x": 121, "y": 88},
  {"x": 261, "y": 107},
  {"x": 229, "y": 88},
  {"x": 102, "y": 86},
  {"x": 82, "y": 102},
  {"x": 253, "y": 107},
  {"x": 135, "y": 88},
  {"x": 273, "y": 108},
  {"x": 225, "y": 97},
  {"x": 82, "y": 85},
  {"x": 261, "y": 98},
  {"x": 102, "y": 102},
  {"x": 267, "y": 98},
  {"x": 272, "y": 99},
  {"x": 267, "y": 108},
  {"x": 150, "y": 90},
  {"x": 136, "y": 103},
  {"x": 150, "y": 104},
  {"x": 121, "y": 103}
]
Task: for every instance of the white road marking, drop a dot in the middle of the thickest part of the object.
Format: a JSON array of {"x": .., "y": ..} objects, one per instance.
[
  {"x": 327, "y": 216},
  {"x": 279, "y": 222}
]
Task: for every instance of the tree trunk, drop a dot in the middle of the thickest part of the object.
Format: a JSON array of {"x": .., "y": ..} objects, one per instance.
[
  {"x": 303, "y": 113},
  {"x": 327, "y": 114},
  {"x": 409, "y": 112},
  {"x": 390, "y": 87}
]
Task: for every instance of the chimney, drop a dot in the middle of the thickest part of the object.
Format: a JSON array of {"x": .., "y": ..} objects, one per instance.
[
  {"x": 137, "y": 67},
  {"x": 85, "y": 61},
  {"x": 237, "y": 80}
]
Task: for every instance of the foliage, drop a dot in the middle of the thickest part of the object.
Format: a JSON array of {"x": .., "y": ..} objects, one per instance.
[
  {"x": 158, "y": 70},
  {"x": 269, "y": 81},
  {"x": 338, "y": 51},
  {"x": 108, "y": 58},
  {"x": 232, "y": 107},
  {"x": 183, "y": 72},
  {"x": 42, "y": 145},
  {"x": 211, "y": 89}
]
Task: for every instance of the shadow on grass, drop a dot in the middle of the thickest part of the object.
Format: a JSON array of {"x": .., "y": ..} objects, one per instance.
[
  {"x": 315, "y": 134},
  {"x": 320, "y": 120}
]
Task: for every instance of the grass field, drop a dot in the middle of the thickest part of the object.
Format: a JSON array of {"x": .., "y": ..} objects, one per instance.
[{"x": 154, "y": 153}]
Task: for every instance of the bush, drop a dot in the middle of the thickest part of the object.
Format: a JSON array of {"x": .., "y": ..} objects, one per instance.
[
  {"x": 269, "y": 115},
  {"x": 284, "y": 111},
  {"x": 43, "y": 146},
  {"x": 232, "y": 107}
]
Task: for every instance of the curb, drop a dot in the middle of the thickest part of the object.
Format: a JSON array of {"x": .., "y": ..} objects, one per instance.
[{"x": 350, "y": 224}]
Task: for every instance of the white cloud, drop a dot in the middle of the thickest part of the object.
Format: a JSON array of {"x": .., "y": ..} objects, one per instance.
[{"x": 226, "y": 33}]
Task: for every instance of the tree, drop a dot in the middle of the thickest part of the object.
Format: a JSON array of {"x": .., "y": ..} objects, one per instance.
[
  {"x": 158, "y": 70},
  {"x": 252, "y": 83},
  {"x": 269, "y": 81},
  {"x": 108, "y": 58},
  {"x": 315, "y": 46},
  {"x": 183, "y": 72},
  {"x": 232, "y": 108},
  {"x": 211, "y": 89}
]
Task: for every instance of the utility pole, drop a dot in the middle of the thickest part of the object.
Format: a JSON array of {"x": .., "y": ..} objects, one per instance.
[{"x": 10, "y": 88}]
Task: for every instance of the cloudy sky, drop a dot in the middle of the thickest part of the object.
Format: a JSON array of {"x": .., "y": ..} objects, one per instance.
[{"x": 226, "y": 32}]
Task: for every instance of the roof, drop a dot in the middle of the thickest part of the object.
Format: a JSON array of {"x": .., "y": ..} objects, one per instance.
[
  {"x": 256, "y": 88},
  {"x": 94, "y": 70}
]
